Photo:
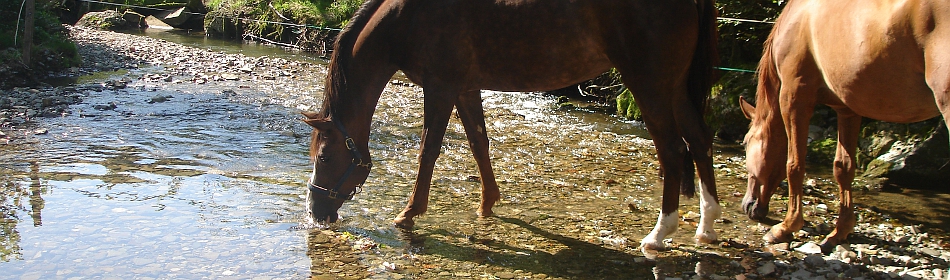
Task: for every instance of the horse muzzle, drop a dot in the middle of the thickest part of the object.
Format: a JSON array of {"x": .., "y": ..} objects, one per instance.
[{"x": 322, "y": 210}]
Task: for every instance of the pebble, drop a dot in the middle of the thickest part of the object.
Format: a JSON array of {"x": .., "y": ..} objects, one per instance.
[
  {"x": 766, "y": 269},
  {"x": 809, "y": 248},
  {"x": 815, "y": 260}
]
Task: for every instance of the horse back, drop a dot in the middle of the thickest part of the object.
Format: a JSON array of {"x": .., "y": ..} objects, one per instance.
[
  {"x": 530, "y": 45},
  {"x": 868, "y": 54}
]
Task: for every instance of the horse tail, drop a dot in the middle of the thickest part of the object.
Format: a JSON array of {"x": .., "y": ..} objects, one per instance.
[
  {"x": 335, "y": 83},
  {"x": 702, "y": 72},
  {"x": 702, "y": 75}
]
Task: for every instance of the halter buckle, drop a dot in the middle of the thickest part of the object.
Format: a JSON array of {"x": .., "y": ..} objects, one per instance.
[{"x": 350, "y": 144}]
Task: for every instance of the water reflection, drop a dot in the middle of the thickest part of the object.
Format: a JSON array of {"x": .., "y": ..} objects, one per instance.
[
  {"x": 9, "y": 236},
  {"x": 36, "y": 198}
]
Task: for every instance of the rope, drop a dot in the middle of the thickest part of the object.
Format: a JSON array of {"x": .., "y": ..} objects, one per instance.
[
  {"x": 201, "y": 14},
  {"x": 16, "y": 32},
  {"x": 337, "y": 29},
  {"x": 745, "y": 20},
  {"x": 736, "y": 70}
]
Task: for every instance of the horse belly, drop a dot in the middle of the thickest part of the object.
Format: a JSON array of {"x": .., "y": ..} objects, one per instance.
[
  {"x": 542, "y": 73},
  {"x": 892, "y": 100}
]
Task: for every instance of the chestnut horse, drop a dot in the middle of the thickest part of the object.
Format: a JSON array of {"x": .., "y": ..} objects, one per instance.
[
  {"x": 665, "y": 51},
  {"x": 886, "y": 60}
]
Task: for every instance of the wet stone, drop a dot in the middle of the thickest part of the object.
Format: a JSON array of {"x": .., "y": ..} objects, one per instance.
[
  {"x": 320, "y": 238},
  {"x": 768, "y": 268},
  {"x": 809, "y": 248},
  {"x": 815, "y": 260}
]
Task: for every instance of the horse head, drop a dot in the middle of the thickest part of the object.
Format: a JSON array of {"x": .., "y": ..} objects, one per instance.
[
  {"x": 766, "y": 154},
  {"x": 339, "y": 169}
]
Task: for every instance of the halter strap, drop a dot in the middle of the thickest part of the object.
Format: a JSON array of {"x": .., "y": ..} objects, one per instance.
[{"x": 334, "y": 193}]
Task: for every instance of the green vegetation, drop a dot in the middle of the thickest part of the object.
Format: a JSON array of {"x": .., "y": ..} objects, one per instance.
[
  {"x": 52, "y": 49},
  {"x": 267, "y": 19}
]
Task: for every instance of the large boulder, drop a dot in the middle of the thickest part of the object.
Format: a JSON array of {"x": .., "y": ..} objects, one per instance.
[
  {"x": 134, "y": 19},
  {"x": 155, "y": 23},
  {"x": 906, "y": 158},
  {"x": 106, "y": 20},
  {"x": 176, "y": 18}
]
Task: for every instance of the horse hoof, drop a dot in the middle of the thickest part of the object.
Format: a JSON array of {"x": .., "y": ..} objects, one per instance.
[
  {"x": 403, "y": 222},
  {"x": 827, "y": 246},
  {"x": 707, "y": 237},
  {"x": 652, "y": 245},
  {"x": 484, "y": 213},
  {"x": 772, "y": 238}
]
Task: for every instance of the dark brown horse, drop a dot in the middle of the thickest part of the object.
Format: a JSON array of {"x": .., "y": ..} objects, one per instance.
[
  {"x": 887, "y": 60},
  {"x": 665, "y": 51}
]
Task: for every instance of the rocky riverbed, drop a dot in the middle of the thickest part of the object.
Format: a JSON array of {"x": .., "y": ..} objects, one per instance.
[{"x": 886, "y": 245}]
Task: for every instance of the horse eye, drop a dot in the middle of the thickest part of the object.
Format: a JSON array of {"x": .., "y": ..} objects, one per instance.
[{"x": 323, "y": 158}]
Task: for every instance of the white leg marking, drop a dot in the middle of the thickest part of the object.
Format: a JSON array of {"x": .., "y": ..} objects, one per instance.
[
  {"x": 665, "y": 225},
  {"x": 710, "y": 211}
]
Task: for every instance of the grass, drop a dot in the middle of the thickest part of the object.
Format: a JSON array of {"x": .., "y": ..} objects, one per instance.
[{"x": 276, "y": 19}]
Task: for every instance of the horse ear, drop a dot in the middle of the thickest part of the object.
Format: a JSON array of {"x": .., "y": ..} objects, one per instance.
[
  {"x": 747, "y": 109},
  {"x": 313, "y": 119}
]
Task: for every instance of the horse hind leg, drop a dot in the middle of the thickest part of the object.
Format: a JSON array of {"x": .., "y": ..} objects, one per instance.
[
  {"x": 849, "y": 126},
  {"x": 656, "y": 108},
  {"x": 698, "y": 138},
  {"x": 470, "y": 112}
]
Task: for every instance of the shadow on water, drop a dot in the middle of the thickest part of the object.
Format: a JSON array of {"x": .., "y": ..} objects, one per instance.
[
  {"x": 928, "y": 208},
  {"x": 577, "y": 259}
]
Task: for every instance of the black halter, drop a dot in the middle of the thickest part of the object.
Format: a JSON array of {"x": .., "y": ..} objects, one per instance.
[{"x": 357, "y": 161}]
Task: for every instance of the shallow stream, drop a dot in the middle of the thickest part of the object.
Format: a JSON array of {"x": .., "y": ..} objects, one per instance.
[{"x": 167, "y": 178}]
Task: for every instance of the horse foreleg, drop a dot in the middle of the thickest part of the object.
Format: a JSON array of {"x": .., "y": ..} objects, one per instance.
[
  {"x": 797, "y": 101},
  {"x": 437, "y": 111},
  {"x": 849, "y": 126},
  {"x": 469, "y": 108}
]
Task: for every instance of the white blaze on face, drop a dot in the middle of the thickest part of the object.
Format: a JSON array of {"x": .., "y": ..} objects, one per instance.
[
  {"x": 313, "y": 175},
  {"x": 309, "y": 200}
]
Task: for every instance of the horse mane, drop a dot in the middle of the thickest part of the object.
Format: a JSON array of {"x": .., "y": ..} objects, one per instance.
[
  {"x": 769, "y": 84},
  {"x": 342, "y": 50}
]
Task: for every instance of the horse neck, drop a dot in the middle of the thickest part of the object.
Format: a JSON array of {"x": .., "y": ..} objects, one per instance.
[
  {"x": 769, "y": 116},
  {"x": 352, "y": 95},
  {"x": 358, "y": 72}
]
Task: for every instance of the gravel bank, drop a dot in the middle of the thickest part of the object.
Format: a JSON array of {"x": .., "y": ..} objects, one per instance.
[{"x": 882, "y": 247}]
